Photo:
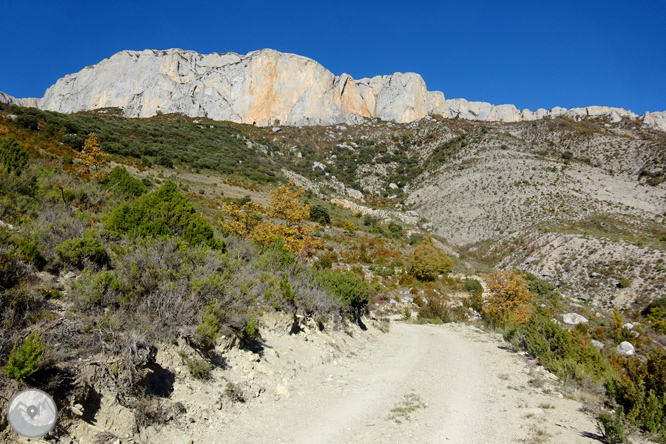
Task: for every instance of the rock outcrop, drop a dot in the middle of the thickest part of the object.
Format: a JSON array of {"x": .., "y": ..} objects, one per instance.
[
  {"x": 268, "y": 87},
  {"x": 462, "y": 109},
  {"x": 263, "y": 87},
  {"x": 9, "y": 100}
]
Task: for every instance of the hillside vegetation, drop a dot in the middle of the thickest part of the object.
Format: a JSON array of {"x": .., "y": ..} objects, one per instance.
[{"x": 121, "y": 237}]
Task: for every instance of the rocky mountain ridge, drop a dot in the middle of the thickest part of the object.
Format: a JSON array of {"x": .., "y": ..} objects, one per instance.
[{"x": 266, "y": 87}]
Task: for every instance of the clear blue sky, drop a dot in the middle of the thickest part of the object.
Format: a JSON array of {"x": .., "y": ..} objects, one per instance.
[{"x": 532, "y": 54}]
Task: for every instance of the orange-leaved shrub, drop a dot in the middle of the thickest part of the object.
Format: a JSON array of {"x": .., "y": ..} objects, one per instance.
[{"x": 509, "y": 299}]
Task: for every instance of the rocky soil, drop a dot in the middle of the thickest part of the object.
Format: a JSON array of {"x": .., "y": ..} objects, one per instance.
[{"x": 414, "y": 383}]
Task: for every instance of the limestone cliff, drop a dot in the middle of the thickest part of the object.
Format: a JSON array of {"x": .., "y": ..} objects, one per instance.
[
  {"x": 266, "y": 87},
  {"x": 262, "y": 87}
]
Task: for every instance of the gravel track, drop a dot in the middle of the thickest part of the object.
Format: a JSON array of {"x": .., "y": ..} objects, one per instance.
[{"x": 418, "y": 383}]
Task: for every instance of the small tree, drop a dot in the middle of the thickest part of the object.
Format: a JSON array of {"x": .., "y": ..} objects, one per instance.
[
  {"x": 319, "y": 213},
  {"x": 243, "y": 217},
  {"x": 12, "y": 156},
  {"x": 509, "y": 300},
  {"x": 428, "y": 262},
  {"x": 286, "y": 205},
  {"x": 92, "y": 154},
  {"x": 24, "y": 359}
]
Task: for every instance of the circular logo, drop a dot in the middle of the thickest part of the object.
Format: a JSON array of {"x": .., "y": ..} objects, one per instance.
[{"x": 32, "y": 413}]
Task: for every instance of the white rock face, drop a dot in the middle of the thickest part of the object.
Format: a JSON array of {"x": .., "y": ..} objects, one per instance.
[
  {"x": 462, "y": 109},
  {"x": 268, "y": 86},
  {"x": 655, "y": 120},
  {"x": 9, "y": 100},
  {"x": 574, "y": 319},
  {"x": 261, "y": 87}
]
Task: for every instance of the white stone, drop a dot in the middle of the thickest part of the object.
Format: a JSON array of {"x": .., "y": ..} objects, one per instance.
[
  {"x": 597, "y": 344},
  {"x": 282, "y": 391},
  {"x": 655, "y": 120},
  {"x": 625, "y": 348},
  {"x": 354, "y": 194},
  {"x": 393, "y": 186},
  {"x": 574, "y": 319}
]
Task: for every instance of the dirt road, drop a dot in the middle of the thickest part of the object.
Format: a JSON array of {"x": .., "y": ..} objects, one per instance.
[{"x": 418, "y": 383}]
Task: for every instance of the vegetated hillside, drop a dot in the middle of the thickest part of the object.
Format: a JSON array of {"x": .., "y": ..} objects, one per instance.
[{"x": 108, "y": 271}]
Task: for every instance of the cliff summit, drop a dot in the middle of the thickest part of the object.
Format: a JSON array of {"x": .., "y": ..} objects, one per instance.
[{"x": 269, "y": 87}]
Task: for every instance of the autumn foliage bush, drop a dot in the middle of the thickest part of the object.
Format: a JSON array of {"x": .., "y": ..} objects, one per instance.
[
  {"x": 284, "y": 218},
  {"x": 428, "y": 263},
  {"x": 509, "y": 299}
]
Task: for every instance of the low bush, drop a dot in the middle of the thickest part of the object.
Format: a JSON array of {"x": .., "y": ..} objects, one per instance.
[
  {"x": 509, "y": 300},
  {"x": 624, "y": 283},
  {"x": 24, "y": 359},
  {"x": 122, "y": 181},
  {"x": 541, "y": 287},
  {"x": 349, "y": 289},
  {"x": 434, "y": 310},
  {"x": 319, "y": 213},
  {"x": 164, "y": 212},
  {"x": 76, "y": 252},
  {"x": 30, "y": 250},
  {"x": 473, "y": 286},
  {"x": 427, "y": 263},
  {"x": 640, "y": 390},
  {"x": 611, "y": 427},
  {"x": 198, "y": 367},
  {"x": 12, "y": 270},
  {"x": 568, "y": 354},
  {"x": 12, "y": 156}
]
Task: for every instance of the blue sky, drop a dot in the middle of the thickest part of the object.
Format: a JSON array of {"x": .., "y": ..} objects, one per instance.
[{"x": 537, "y": 54}]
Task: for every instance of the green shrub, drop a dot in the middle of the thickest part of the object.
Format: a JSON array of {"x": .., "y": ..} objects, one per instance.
[
  {"x": 370, "y": 221},
  {"x": 435, "y": 310},
  {"x": 27, "y": 121},
  {"x": 416, "y": 238},
  {"x": 234, "y": 392},
  {"x": 611, "y": 426},
  {"x": 349, "y": 289},
  {"x": 319, "y": 213},
  {"x": 569, "y": 355},
  {"x": 30, "y": 250},
  {"x": 12, "y": 156},
  {"x": 324, "y": 262},
  {"x": 209, "y": 327},
  {"x": 76, "y": 252},
  {"x": 541, "y": 287},
  {"x": 122, "y": 181},
  {"x": 567, "y": 155},
  {"x": 624, "y": 282},
  {"x": 163, "y": 212},
  {"x": 473, "y": 286},
  {"x": 24, "y": 359},
  {"x": 198, "y": 367},
  {"x": 641, "y": 391},
  {"x": 395, "y": 229},
  {"x": 657, "y": 303},
  {"x": 11, "y": 268}
]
